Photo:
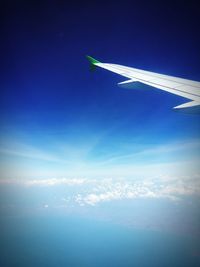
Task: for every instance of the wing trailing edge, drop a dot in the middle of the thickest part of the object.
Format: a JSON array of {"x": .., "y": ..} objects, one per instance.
[{"x": 179, "y": 86}]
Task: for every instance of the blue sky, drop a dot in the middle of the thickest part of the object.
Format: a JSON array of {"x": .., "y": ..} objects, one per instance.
[
  {"x": 80, "y": 156},
  {"x": 59, "y": 119}
]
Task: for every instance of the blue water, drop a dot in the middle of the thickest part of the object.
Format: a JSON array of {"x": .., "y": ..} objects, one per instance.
[{"x": 77, "y": 242}]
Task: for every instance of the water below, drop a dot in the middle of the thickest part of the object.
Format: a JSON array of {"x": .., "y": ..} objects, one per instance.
[{"x": 79, "y": 242}]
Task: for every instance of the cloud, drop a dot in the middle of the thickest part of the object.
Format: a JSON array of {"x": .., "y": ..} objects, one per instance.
[
  {"x": 44, "y": 182},
  {"x": 153, "y": 151},
  {"x": 110, "y": 190},
  {"x": 29, "y": 152},
  {"x": 55, "y": 181},
  {"x": 88, "y": 191},
  {"x": 93, "y": 199},
  {"x": 80, "y": 159}
]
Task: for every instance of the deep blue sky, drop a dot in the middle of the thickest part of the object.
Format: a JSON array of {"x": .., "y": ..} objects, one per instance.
[{"x": 57, "y": 115}]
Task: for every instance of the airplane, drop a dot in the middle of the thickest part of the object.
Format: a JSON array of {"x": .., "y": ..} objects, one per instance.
[{"x": 182, "y": 87}]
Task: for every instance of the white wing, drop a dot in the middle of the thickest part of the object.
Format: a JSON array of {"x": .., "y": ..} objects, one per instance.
[{"x": 178, "y": 86}]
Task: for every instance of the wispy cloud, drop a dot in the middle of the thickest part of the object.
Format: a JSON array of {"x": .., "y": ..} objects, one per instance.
[
  {"x": 153, "y": 151},
  {"x": 29, "y": 152},
  {"x": 81, "y": 160}
]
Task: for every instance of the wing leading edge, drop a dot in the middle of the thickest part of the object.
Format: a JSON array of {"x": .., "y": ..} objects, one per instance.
[{"x": 178, "y": 86}]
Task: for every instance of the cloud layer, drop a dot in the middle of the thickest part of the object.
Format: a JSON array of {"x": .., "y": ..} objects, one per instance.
[{"x": 95, "y": 191}]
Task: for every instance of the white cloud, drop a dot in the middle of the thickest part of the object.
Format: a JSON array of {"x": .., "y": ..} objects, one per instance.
[
  {"x": 44, "y": 182},
  {"x": 153, "y": 151},
  {"x": 94, "y": 191},
  {"x": 25, "y": 151},
  {"x": 92, "y": 199},
  {"x": 115, "y": 190},
  {"x": 54, "y": 181}
]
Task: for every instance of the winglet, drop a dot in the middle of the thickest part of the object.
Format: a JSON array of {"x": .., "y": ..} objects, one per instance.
[{"x": 93, "y": 62}]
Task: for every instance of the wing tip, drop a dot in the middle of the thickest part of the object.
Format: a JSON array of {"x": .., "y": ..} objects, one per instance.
[
  {"x": 192, "y": 107},
  {"x": 187, "y": 105},
  {"x": 92, "y": 60}
]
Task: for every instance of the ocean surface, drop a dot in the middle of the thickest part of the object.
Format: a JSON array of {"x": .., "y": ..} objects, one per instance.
[{"x": 81, "y": 242}]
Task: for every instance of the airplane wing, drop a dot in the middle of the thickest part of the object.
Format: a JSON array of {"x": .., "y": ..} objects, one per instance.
[{"x": 178, "y": 86}]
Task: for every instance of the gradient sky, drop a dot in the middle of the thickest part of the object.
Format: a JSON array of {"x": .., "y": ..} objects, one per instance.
[
  {"x": 93, "y": 174},
  {"x": 59, "y": 119}
]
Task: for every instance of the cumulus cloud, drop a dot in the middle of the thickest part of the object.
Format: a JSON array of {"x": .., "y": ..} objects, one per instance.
[
  {"x": 95, "y": 191},
  {"x": 105, "y": 190},
  {"x": 92, "y": 199}
]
